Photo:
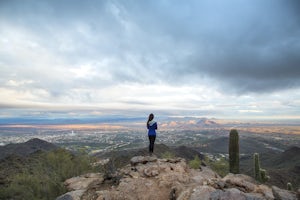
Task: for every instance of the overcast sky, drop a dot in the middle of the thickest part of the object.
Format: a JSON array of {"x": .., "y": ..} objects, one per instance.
[{"x": 225, "y": 59}]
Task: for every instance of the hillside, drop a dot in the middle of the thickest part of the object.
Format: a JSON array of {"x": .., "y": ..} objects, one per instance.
[
  {"x": 247, "y": 145},
  {"x": 27, "y": 148},
  {"x": 289, "y": 158},
  {"x": 39, "y": 171},
  {"x": 282, "y": 167}
]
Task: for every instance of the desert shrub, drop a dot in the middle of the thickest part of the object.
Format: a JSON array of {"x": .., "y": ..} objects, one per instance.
[
  {"x": 195, "y": 163},
  {"x": 66, "y": 164},
  {"x": 33, "y": 186},
  {"x": 168, "y": 155},
  {"x": 220, "y": 165}
]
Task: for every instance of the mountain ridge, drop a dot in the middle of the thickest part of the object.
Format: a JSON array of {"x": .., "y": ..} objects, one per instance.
[{"x": 26, "y": 148}]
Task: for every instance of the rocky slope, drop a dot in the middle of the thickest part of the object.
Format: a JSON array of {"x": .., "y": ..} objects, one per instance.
[
  {"x": 149, "y": 178},
  {"x": 122, "y": 157}
]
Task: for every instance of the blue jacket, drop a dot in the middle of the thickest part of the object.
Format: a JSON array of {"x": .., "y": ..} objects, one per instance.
[{"x": 152, "y": 126}]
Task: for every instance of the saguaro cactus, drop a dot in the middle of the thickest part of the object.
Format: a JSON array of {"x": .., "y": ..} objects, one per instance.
[
  {"x": 259, "y": 173},
  {"x": 263, "y": 175},
  {"x": 234, "y": 152}
]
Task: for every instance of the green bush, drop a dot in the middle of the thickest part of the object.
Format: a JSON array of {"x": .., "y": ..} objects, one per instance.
[
  {"x": 33, "y": 186},
  {"x": 195, "y": 164},
  {"x": 221, "y": 166},
  {"x": 168, "y": 155}
]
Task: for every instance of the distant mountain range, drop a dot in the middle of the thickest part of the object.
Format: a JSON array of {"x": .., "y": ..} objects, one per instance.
[
  {"x": 189, "y": 123},
  {"x": 170, "y": 123}
]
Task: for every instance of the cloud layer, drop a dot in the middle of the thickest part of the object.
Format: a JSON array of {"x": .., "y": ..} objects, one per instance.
[{"x": 195, "y": 57}]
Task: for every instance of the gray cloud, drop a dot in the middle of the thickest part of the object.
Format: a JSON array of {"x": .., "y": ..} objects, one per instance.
[
  {"x": 238, "y": 46},
  {"x": 249, "y": 46}
]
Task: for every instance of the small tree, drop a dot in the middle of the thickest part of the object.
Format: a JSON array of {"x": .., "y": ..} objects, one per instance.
[{"x": 195, "y": 164}]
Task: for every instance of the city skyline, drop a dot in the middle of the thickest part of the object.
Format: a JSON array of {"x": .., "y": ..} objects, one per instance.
[{"x": 71, "y": 59}]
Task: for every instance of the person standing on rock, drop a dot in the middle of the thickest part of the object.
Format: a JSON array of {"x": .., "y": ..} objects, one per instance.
[{"x": 151, "y": 126}]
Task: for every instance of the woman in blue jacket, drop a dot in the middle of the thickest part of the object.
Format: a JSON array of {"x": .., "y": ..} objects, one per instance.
[{"x": 151, "y": 126}]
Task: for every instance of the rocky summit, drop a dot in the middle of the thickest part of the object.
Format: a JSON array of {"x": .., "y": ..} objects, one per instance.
[{"x": 150, "y": 178}]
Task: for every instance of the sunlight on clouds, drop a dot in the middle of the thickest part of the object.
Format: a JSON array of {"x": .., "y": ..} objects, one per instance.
[
  {"x": 160, "y": 96},
  {"x": 18, "y": 83},
  {"x": 250, "y": 111},
  {"x": 83, "y": 71},
  {"x": 13, "y": 96}
]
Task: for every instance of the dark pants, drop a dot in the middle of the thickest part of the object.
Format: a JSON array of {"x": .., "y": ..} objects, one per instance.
[{"x": 151, "y": 145}]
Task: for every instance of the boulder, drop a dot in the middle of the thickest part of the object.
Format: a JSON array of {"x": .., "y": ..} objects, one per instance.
[
  {"x": 83, "y": 182},
  {"x": 202, "y": 192},
  {"x": 265, "y": 191},
  {"x": 203, "y": 177},
  {"x": 281, "y": 194},
  {"x": 228, "y": 194},
  {"x": 73, "y": 195},
  {"x": 240, "y": 181},
  {"x": 254, "y": 196},
  {"x": 185, "y": 195}
]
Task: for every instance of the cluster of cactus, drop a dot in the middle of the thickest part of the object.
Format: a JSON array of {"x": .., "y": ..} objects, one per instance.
[
  {"x": 234, "y": 152},
  {"x": 259, "y": 173}
]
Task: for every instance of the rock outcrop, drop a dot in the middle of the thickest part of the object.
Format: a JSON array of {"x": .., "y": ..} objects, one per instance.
[{"x": 161, "y": 179}]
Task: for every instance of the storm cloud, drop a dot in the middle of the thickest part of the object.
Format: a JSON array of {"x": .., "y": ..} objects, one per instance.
[{"x": 82, "y": 51}]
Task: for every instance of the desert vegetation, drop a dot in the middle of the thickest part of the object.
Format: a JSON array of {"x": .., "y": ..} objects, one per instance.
[{"x": 41, "y": 175}]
